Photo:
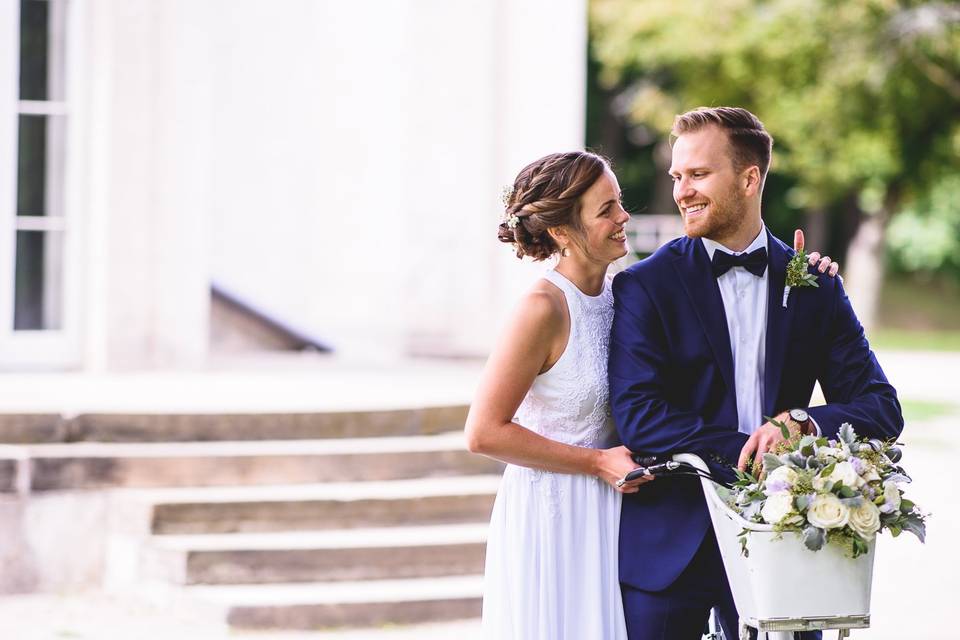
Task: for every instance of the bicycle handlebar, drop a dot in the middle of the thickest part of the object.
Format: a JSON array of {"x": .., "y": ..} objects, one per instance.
[{"x": 662, "y": 469}]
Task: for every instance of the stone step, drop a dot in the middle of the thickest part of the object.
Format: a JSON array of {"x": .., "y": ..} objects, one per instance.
[
  {"x": 24, "y": 428},
  {"x": 89, "y": 465},
  {"x": 332, "y": 505},
  {"x": 12, "y": 464},
  {"x": 313, "y": 556},
  {"x": 364, "y": 603}
]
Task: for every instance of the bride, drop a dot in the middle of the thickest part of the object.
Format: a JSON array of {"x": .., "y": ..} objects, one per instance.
[{"x": 542, "y": 407}]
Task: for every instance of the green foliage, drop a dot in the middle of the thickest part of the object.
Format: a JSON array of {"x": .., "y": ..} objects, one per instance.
[
  {"x": 926, "y": 234},
  {"x": 862, "y": 97},
  {"x": 784, "y": 430},
  {"x": 798, "y": 271},
  {"x": 814, "y": 538},
  {"x": 859, "y": 547},
  {"x": 770, "y": 462}
]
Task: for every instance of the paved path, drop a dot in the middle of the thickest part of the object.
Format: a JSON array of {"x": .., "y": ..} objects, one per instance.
[{"x": 323, "y": 383}]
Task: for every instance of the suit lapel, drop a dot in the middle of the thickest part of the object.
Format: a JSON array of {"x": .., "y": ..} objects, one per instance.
[
  {"x": 696, "y": 277},
  {"x": 778, "y": 322}
]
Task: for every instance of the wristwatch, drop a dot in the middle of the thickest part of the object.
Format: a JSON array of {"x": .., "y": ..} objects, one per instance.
[{"x": 802, "y": 418}]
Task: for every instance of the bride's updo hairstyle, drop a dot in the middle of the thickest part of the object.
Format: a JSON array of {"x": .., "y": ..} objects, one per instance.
[{"x": 545, "y": 194}]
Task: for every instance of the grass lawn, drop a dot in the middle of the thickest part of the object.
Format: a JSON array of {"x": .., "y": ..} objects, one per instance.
[
  {"x": 918, "y": 314},
  {"x": 921, "y": 410},
  {"x": 915, "y": 339}
]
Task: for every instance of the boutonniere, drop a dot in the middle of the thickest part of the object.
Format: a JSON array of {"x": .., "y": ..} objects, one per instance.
[{"x": 797, "y": 275}]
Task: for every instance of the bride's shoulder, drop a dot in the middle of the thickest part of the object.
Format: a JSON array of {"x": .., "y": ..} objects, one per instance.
[
  {"x": 538, "y": 322},
  {"x": 544, "y": 300}
]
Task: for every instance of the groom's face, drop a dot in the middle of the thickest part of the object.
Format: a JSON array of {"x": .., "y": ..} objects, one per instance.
[{"x": 705, "y": 185}]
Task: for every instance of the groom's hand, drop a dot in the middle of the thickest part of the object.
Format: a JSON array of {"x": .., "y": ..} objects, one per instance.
[{"x": 764, "y": 439}]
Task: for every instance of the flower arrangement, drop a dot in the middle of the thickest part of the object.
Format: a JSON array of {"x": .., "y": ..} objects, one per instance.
[
  {"x": 842, "y": 491},
  {"x": 797, "y": 275}
]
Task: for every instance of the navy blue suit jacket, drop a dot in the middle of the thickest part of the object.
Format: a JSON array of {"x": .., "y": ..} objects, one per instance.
[{"x": 672, "y": 387}]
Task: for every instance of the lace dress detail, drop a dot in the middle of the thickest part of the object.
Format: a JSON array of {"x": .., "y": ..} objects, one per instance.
[
  {"x": 551, "y": 569},
  {"x": 570, "y": 402}
]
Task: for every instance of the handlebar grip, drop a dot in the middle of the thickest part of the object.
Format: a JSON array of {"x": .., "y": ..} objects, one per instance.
[
  {"x": 644, "y": 461},
  {"x": 635, "y": 474},
  {"x": 648, "y": 471}
]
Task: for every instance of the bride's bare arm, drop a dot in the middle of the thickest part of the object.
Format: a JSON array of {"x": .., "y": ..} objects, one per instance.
[{"x": 533, "y": 339}]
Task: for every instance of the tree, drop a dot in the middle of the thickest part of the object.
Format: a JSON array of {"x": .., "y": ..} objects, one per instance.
[{"x": 862, "y": 97}]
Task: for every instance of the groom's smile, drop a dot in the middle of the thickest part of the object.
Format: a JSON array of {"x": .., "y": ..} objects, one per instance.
[{"x": 693, "y": 209}]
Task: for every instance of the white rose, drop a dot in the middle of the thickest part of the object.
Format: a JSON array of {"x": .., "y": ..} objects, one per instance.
[
  {"x": 827, "y": 512},
  {"x": 865, "y": 519},
  {"x": 891, "y": 497},
  {"x": 871, "y": 473},
  {"x": 781, "y": 479},
  {"x": 830, "y": 452},
  {"x": 842, "y": 472},
  {"x": 777, "y": 507},
  {"x": 845, "y": 472}
]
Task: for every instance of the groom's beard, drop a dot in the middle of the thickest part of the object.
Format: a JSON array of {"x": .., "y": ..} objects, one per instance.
[{"x": 725, "y": 216}]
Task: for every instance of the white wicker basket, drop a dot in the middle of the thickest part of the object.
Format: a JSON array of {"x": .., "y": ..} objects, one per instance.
[{"x": 782, "y": 585}]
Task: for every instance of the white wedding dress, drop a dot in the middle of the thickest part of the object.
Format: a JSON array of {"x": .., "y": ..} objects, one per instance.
[{"x": 551, "y": 567}]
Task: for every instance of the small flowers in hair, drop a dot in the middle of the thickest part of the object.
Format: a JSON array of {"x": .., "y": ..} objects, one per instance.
[
  {"x": 513, "y": 220},
  {"x": 506, "y": 194}
]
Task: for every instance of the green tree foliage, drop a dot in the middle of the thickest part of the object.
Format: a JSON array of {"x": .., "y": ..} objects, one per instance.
[
  {"x": 862, "y": 96},
  {"x": 925, "y": 236}
]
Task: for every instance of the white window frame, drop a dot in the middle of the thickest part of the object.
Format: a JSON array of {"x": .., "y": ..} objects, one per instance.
[{"x": 40, "y": 349}]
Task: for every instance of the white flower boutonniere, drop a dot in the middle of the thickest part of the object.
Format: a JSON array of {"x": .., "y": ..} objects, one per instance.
[{"x": 797, "y": 275}]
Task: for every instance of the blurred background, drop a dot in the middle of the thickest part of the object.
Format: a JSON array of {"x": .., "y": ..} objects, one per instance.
[
  {"x": 246, "y": 245},
  {"x": 186, "y": 179},
  {"x": 862, "y": 100}
]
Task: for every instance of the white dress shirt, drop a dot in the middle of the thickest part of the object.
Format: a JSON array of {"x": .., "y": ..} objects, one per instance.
[{"x": 745, "y": 304}]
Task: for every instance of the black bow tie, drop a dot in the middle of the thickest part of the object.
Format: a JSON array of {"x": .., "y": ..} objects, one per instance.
[{"x": 755, "y": 262}]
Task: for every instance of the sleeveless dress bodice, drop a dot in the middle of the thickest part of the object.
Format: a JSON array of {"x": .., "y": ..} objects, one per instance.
[{"x": 570, "y": 402}]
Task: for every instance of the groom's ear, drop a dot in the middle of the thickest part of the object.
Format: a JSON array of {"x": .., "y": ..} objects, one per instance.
[{"x": 750, "y": 179}]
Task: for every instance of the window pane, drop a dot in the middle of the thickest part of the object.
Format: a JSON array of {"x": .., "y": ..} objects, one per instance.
[
  {"x": 38, "y": 289},
  {"x": 31, "y": 166},
  {"x": 34, "y": 49},
  {"x": 40, "y": 158}
]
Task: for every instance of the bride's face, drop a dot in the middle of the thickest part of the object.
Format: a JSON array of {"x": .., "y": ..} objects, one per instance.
[{"x": 603, "y": 220}]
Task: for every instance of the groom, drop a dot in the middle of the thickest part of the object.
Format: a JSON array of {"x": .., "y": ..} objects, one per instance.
[{"x": 704, "y": 344}]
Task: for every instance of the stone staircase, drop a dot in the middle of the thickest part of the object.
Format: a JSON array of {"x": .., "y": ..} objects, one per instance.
[{"x": 275, "y": 521}]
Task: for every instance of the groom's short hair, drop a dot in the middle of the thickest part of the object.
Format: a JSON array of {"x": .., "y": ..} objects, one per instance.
[{"x": 750, "y": 144}]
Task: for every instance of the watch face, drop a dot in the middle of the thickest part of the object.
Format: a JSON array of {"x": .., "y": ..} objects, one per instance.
[{"x": 799, "y": 415}]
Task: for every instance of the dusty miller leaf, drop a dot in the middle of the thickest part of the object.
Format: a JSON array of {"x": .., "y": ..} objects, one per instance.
[
  {"x": 847, "y": 434},
  {"x": 771, "y": 462},
  {"x": 814, "y": 538},
  {"x": 915, "y": 526}
]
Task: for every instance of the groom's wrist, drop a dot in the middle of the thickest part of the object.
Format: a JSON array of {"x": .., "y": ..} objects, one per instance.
[{"x": 802, "y": 419}]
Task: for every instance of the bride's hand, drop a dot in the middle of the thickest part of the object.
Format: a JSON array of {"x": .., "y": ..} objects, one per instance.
[
  {"x": 613, "y": 464},
  {"x": 826, "y": 265}
]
